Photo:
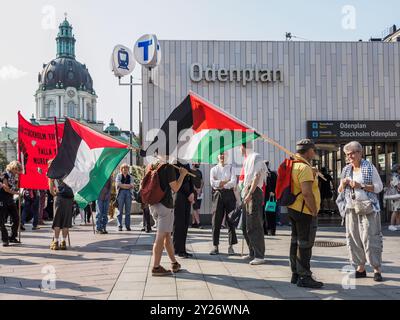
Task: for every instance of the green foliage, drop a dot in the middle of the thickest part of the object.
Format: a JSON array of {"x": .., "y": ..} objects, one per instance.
[
  {"x": 3, "y": 161},
  {"x": 138, "y": 174}
]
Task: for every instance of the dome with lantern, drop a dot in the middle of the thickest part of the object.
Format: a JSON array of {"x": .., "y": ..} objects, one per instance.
[{"x": 65, "y": 85}]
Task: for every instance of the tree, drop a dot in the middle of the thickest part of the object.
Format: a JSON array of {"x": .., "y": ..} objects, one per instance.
[{"x": 3, "y": 161}]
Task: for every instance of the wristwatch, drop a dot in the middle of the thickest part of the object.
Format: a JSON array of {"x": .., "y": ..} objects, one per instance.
[{"x": 363, "y": 186}]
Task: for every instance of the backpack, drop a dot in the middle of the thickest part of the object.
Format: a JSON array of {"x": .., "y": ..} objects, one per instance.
[
  {"x": 284, "y": 186},
  {"x": 151, "y": 192}
]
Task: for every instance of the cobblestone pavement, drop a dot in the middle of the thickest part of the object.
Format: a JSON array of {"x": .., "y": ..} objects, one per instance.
[{"x": 118, "y": 266}]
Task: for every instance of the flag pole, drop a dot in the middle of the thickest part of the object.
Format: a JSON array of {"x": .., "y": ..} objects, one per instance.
[
  {"x": 19, "y": 183},
  {"x": 291, "y": 154},
  {"x": 19, "y": 208},
  {"x": 57, "y": 147}
]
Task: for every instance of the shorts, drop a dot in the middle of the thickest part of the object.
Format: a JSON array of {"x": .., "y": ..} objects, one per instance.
[
  {"x": 164, "y": 217},
  {"x": 197, "y": 204}
]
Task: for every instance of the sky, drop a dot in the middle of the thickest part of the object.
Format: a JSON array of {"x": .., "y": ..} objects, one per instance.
[{"x": 28, "y": 30}]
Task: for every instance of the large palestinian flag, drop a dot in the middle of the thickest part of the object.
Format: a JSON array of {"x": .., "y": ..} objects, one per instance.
[
  {"x": 86, "y": 160},
  {"x": 199, "y": 131}
]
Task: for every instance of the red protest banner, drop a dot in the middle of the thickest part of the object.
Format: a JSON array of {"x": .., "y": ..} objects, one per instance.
[{"x": 36, "y": 146}]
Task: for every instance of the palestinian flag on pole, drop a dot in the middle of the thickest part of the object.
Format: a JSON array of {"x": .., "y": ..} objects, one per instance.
[
  {"x": 199, "y": 131},
  {"x": 85, "y": 160}
]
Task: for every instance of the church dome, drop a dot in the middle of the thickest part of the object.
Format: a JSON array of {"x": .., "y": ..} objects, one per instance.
[{"x": 66, "y": 72}]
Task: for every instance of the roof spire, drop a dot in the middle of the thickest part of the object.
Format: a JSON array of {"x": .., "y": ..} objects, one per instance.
[{"x": 65, "y": 40}]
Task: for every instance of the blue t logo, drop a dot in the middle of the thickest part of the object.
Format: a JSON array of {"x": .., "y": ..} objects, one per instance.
[{"x": 145, "y": 45}]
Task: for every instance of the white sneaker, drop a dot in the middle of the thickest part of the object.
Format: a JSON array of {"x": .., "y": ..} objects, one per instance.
[
  {"x": 392, "y": 228},
  {"x": 257, "y": 261}
]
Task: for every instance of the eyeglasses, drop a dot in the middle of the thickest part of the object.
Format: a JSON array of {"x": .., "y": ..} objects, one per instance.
[{"x": 350, "y": 154}]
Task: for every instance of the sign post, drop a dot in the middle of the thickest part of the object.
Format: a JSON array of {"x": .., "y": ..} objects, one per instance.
[{"x": 147, "y": 52}]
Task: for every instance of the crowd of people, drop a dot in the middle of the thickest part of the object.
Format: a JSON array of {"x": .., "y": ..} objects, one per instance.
[{"x": 254, "y": 194}]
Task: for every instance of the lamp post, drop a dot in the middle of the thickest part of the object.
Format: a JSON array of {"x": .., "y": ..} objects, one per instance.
[{"x": 131, "y": 84}]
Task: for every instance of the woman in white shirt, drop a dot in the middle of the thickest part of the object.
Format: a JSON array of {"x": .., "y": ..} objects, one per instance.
[{"x": 361, "y": 184}]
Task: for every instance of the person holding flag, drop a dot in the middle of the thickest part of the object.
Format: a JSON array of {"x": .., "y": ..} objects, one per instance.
[
  {"x": 8, "y": 207},
  {"x": 63, "y": 208},
  {"x": 84, "y": 163}
]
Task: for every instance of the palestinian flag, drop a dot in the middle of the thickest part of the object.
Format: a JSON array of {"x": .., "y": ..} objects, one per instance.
[
  {"x": 85, "y": 160},
  {"x": 199, "y": 131}
]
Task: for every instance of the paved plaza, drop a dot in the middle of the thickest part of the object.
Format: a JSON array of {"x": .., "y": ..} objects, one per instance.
[{"x": 118, "y": 266}]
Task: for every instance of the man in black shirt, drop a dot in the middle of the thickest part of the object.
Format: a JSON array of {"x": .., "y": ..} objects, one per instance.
[{"x": 183, "y": 201}]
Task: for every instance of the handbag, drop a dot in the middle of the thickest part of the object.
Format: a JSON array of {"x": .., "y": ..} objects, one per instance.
[
  {"x": 270, "y": 206},
  {"x": 361, "y": 206}
]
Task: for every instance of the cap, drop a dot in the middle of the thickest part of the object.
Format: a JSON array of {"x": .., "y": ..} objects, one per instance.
[{"x": 304, "y": 145}]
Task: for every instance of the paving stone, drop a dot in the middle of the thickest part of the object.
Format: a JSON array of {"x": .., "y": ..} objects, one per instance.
[
  {"x": 90, "y": 272},
  {"x": 126, "y": 295}
]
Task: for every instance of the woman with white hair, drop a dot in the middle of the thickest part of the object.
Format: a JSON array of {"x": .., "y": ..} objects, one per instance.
[
  {"x": 9, "y": 183},
  {"x": 361, "y": 184}
]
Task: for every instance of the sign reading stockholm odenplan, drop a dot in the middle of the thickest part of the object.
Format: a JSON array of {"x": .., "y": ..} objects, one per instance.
[
  {"x": 147, "y": 52},
  {"x": 328, "y": 131}
]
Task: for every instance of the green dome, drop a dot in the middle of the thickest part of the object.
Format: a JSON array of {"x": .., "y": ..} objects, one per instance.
[{"x": 112, "y": 128}]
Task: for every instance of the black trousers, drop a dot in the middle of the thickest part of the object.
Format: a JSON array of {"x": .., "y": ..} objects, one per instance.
[
  {"x": 146, "y": 219},
  {"x": 182, "y": 219},
  {"x": 304, "y": 230},
  {"x": 7, "y": 209},
  {"x": 252, "y": 225},
  {"x": 270, "y": 222},
  {"x": 88, "y": 213},
  {"x": 224, "y": 201}
]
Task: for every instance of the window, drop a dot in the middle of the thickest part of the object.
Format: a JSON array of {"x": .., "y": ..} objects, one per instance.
[
  {"x": 89, "y": 111},
  {"x": 52, "y": 109},
  {"x": 71, "y": 107}
]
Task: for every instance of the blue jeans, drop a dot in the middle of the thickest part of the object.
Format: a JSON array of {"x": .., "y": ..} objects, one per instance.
[
  {"x": 31, "y": 206},
  {"x": 102, "y": 214},
  {"x": 124, "y": 200}
]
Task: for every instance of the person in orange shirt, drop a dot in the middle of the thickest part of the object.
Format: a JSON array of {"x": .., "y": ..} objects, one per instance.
[{"x": 303, "y": 215}]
